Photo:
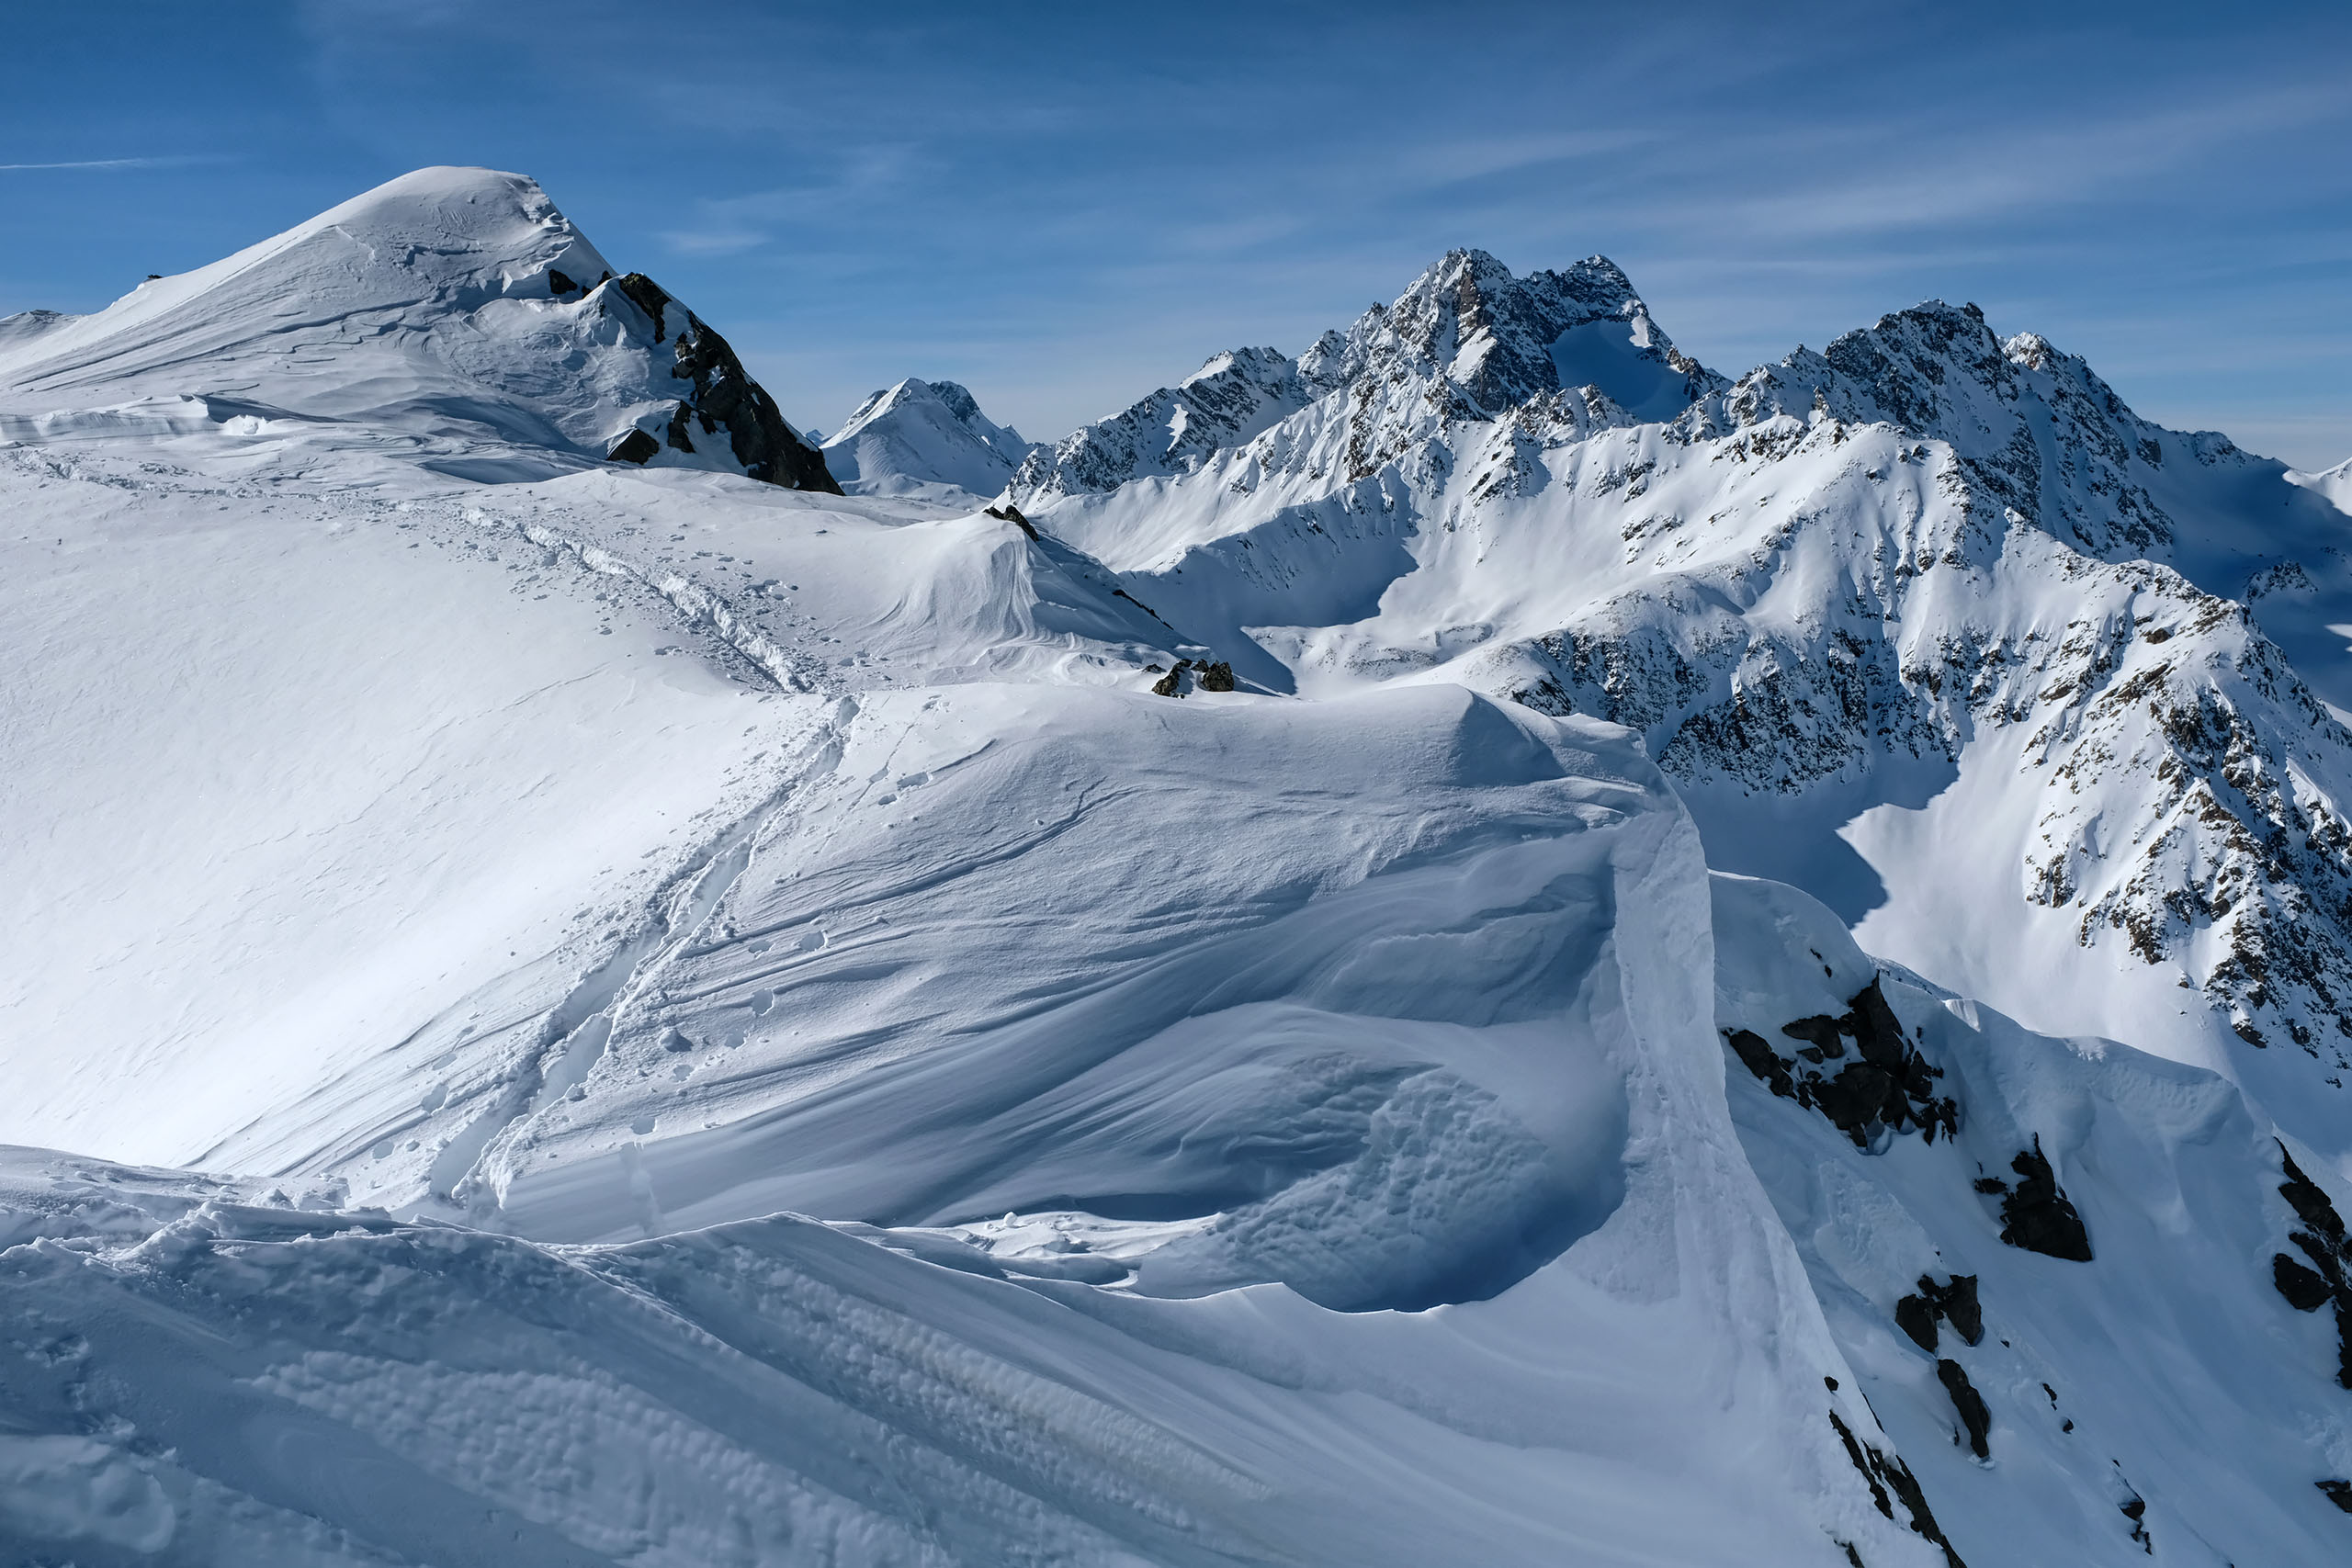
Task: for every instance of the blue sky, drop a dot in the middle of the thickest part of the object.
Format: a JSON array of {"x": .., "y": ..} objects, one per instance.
[{"x": 1065, "y": 207}]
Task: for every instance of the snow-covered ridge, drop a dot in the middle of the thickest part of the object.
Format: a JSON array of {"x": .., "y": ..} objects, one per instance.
[
  {"x": 450, "y": 307},
  {"x": 2335, "y": 484}
]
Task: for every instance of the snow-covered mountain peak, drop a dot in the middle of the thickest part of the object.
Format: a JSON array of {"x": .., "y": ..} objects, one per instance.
[
  {"x": 908, "y": 438},
  {"x": 1466, "y": 342},
  {"x": 453, "y": 308},
  {"x": 1502, "y": 340}
]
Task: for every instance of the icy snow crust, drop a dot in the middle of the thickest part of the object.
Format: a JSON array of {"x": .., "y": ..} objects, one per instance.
[{"x": 751, "y": 1032}]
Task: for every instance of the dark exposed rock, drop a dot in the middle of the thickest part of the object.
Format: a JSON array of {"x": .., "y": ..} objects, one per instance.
[
  {"x": 1969, "y": 1403},
  {"x": 1011, "y": 513},
  {"x": 1918, "y": 1319},
  {"x": 2324, "y": 1242},
  {"x": 2342, "y": 1340},
  {"x": 2036, "y": 1214},
  {"x": 1217, "y": 677},
  {"x": 767, "y": 447},
  {"x": 724, "y": 397},
  {"x": 1891, "y": 1087},
  {"x": 1172, "y": 683},
  {"x": 2305, "y": 1289},
  {"x": 636, "y": 446},
  {"x": 1885, "y": 1472},
  {"x": 1821, "y": 1029},
  {"x": 558, "y": 284},
  {"x": 1757, "y": 1055},
  {"x": 1954, "y": 1301},
  {"x": 1852, "y": 1556},
  {"x": 2309, "y": 1203},
  {"x": 2136, "y": 1511},
  {"x": 2338, "y": 1493},
  {"x": 646, "y": 296},
  {"x": 1122, "y": 593}
]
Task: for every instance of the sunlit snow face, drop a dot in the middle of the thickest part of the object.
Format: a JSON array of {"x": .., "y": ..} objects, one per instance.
[{"x": 1367, "y": 1040}]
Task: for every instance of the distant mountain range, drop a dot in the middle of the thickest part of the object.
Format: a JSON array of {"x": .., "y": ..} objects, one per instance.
[{"x": 1485, "y": 944}]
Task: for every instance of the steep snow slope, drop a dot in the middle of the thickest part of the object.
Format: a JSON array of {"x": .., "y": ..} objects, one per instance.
[
  {"x": 451, "y": 314},
  {"x": 1930, "y": 623},
  {"x": 2175, "y": 1189},
  {"x": 909, "y": 438},
  {"x": 2335, "y": 484},
  {"x": 316, "y": 766}
]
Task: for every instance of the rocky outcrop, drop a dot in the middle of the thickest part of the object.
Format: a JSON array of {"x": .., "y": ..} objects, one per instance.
[
  {"x": 1008, "y": 512},
  {"x": 721, "y": 399},
  {"x": 1954, "y": 1301},
  {"x": 1968, "y": 1403},
  {"x": 1888, "y": 1086},
  {"x": 1891, "y": 1481},
  {"x": 2320, "y": 1237},
  {"x": 2036, "y": 1213}
]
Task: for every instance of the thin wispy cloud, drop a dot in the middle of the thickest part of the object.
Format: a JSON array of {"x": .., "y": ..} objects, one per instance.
[{"x": 175, "y": 160}]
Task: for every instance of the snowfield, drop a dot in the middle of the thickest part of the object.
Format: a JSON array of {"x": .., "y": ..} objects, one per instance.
[{"x": 1274, "y": 982}]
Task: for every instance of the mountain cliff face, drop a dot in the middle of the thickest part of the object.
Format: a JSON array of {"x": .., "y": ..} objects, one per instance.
[{"x": 1247, "y": 1000}]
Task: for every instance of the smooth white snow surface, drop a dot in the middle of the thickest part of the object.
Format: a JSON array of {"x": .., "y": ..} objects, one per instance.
[
  {"x": 617, "y": 1015},
  {"x": 915, "y": 437}
]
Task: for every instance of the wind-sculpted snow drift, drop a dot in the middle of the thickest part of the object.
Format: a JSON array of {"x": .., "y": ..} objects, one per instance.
[{"x": 740, "y": 1027}]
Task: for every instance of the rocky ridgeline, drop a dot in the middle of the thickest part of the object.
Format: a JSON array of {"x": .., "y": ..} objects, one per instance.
[
  {"x": 1228, "y": 400},
  {"x": 1466, "y": 342},
  {"x": 721, "y": 399}
]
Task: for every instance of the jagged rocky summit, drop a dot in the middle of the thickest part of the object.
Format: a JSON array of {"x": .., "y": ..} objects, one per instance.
[{"x": 1468, "y": 341}]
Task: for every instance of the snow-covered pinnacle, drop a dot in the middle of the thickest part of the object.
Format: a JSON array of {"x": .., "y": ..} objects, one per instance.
[
  {"x": 455, "y": 306},
  {"x": 923, "y": 433}
]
